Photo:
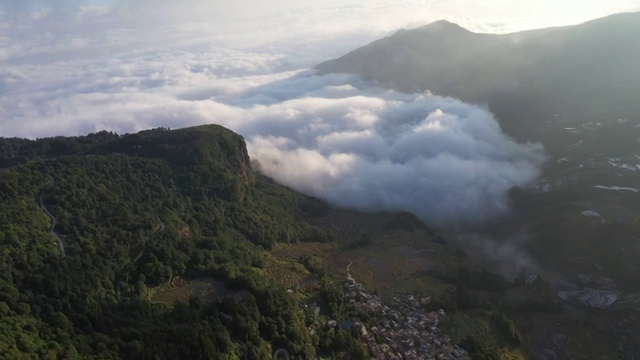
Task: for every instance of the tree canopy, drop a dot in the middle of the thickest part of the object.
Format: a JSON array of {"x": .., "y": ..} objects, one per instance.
[{"x": 134, "y": 212}]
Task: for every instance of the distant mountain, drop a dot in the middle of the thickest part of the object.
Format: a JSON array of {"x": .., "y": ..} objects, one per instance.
[
  {"x": 577, "y": 74},
  {"x": 576, "y": 89}
]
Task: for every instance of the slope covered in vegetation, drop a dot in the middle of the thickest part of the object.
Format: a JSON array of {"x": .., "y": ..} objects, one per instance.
[
  {"x": 133, "y": 212},
  {"x": 174, "y": 248}
]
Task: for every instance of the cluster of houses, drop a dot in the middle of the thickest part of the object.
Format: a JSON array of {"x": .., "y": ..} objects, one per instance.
[{"x": 407, "y": 331}]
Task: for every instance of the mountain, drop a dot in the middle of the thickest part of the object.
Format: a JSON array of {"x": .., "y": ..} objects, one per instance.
[
  {"x": 574, "y": 74},
  {"x": 574, "y": 89},
  {"x": 165, "y": 244},
  {"x": 94, "y": 228}
]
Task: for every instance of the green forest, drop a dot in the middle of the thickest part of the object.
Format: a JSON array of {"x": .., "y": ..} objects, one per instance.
[{"x": 133, "y": 212}]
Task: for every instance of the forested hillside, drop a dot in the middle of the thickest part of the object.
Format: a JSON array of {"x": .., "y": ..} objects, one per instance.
[
  {"x": 134, "y": 212},
  {"x": 165, "y": 245}
]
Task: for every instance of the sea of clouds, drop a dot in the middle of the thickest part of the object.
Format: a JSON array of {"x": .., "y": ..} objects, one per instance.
[{"x": 127, "y": 66}]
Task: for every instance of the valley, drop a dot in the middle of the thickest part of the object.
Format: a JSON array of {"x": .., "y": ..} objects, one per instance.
[
  {"x": 576, "y": 229},
  {"x": 582, "y": 215}
]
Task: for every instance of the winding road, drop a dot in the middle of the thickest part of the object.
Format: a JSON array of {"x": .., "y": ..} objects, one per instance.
[
  {"x": 281, "y": 353},
  {"x": 349, "y": 277},
  {"x": 54, "y": 222}
]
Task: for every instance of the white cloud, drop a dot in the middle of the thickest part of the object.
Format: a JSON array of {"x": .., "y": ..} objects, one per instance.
[
  {"x": 333, "y": 137},
  {"x": 307, "y": 31},
  {"x": 442, "y": 159},
  {"x": 125, "y": 66}
]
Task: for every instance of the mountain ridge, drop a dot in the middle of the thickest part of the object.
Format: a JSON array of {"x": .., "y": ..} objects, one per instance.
[{"x": 525, "y": 78}]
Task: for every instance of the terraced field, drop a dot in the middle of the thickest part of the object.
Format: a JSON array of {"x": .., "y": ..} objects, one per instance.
[
  {"x": 393, "y": 262},
  {"x": 181, "y": 290}
]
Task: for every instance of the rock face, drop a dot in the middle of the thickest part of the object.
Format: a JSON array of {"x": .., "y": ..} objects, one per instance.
[{"x": 244, "y": 165}]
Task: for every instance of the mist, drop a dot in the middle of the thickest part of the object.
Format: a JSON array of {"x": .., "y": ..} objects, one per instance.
[{"x": 504, "y": 254}]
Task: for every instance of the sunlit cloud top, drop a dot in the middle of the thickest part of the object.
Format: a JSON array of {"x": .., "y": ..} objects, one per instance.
[
  {"x": 307, "y": 31},
  {"x": 70, "y": 67}
]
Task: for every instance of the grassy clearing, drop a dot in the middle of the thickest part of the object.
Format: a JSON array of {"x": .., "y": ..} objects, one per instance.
[
  {"x": 181, "y": 290},
  {"x": 396, "y": 259},
  {"x": 172, "y": 296}
]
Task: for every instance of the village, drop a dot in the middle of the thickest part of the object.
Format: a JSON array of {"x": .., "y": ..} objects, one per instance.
[{"x": 407, "y": 331}]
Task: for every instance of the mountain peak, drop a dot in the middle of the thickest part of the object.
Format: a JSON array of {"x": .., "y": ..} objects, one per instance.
[
  {"x": 440, "y": 27},
  {"x": 442, "y": 22},
  {"x": 444, "y": 25},
  {"x": 496, "y": 69}
]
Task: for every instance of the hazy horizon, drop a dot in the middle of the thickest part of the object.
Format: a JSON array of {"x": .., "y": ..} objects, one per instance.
[{"x": 86, "y": 66}]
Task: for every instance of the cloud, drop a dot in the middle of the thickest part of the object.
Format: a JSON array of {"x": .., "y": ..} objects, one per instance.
[
  {"x": 123, "y": 66},
  {"x": 308, "y": 32},
  {"x": 503, "y": 254},
  {"x": 373, "y": 149},
  {"x": 334, "y": 137}
]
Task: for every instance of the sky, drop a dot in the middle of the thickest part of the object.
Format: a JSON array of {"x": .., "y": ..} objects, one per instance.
[{"x": 71, "y": 67}]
